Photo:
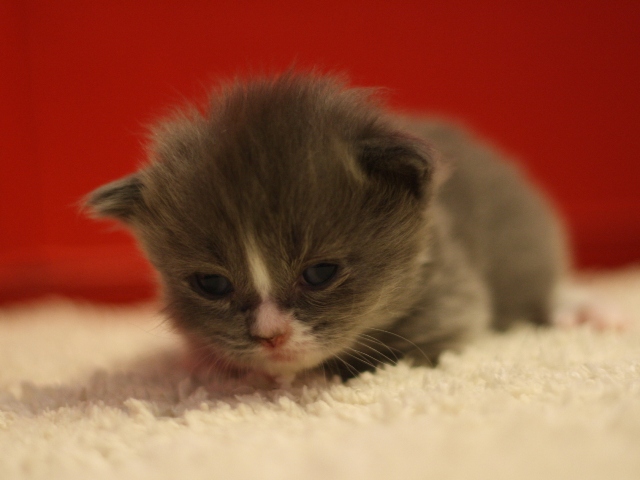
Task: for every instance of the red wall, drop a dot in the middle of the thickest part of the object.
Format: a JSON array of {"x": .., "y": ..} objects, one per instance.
[{"x": 557, "y": 83}]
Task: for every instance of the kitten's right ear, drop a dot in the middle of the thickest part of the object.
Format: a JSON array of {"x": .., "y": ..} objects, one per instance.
[{"x": 117, "y": 199}]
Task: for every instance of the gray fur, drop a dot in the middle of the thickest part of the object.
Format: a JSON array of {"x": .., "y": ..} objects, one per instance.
[{"x": 436, "y": 236}]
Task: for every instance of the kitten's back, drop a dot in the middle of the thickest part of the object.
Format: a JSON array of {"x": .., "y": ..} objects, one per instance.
[{"x": 507, "y": 228}]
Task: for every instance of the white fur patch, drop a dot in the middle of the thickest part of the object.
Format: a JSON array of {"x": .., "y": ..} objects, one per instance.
[
  {"x": 258, "y": 268},
  {"x": 270, "y": 321}
]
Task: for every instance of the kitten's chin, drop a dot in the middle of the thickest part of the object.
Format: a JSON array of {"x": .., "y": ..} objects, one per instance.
[{"x": 288, "y": 362}]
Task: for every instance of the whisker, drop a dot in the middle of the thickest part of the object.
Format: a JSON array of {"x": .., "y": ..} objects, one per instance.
[
  {"x": 326, "y": 378},
  {"x": 393, "y": 351},
  {"x": 358, "y": 357},
  {"x": 331, "y": 358},
  {"x": 376, "y": 361},
  {"x": 378, "y": 352},
  {"x": 406, "y": 340},
  {"x": 346, "y": 364}
]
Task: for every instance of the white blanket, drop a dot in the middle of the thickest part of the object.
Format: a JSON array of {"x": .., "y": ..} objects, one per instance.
[{"x": 92, "y": 392}]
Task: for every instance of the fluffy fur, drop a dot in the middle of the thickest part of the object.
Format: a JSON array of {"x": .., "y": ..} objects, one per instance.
[{"x": 434, "y": 236}]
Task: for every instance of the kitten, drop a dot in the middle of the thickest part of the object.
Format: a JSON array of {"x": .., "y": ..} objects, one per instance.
[{"x": 296, "y": 224}]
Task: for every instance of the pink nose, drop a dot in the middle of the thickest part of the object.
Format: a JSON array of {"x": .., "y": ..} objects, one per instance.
[{"x": 275, "y": 341}]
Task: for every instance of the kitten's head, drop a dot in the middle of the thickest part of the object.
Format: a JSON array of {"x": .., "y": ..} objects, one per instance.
[{"x": 284, "y": 222}]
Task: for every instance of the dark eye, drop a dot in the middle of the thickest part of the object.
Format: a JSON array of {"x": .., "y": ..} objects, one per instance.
[
  {"x": 211, "y": 286},
  {"x": 320, "y": 274}
]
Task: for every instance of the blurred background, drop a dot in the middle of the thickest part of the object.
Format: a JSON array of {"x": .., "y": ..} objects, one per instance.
[{"x": 554, "y": 83}]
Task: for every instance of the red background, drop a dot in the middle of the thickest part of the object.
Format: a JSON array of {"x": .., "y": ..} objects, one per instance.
[{"x": 556, "y": 83}]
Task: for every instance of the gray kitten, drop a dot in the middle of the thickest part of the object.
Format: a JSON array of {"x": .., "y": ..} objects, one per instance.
[{"x": 296, "y": 224}]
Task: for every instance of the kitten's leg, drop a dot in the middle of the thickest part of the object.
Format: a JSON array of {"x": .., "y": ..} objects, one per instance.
[
  {"x": 524, "y": 290},
  {"x": 455, "y": 308}
]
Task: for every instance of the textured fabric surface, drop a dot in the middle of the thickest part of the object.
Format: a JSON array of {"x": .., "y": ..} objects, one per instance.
[{"x": 92, "y": 392}]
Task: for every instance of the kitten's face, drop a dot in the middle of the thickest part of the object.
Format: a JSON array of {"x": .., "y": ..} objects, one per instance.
[{"x": 281, "y": 232}]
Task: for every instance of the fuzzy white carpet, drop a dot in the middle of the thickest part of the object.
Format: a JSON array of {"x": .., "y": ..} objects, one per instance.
[{"x": 96, "y": 393}]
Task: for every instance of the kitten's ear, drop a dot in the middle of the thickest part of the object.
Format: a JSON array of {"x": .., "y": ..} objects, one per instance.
[
  {"x": 117, "y": 199},
  {"x": 401, "y": 161}
]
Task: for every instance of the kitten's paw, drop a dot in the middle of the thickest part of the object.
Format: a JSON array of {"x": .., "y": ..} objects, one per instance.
[{"x": 578, "y": 306}]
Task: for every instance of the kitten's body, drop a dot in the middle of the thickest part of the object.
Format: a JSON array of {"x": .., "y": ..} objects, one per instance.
[
  {"x": 497, "y": 252},
  {"x": 427, "y": 236}
]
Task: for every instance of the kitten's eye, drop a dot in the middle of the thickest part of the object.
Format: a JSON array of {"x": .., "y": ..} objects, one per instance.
[
  {"x": 320, "y": 274},
  {"x": 211, "y": 286}
]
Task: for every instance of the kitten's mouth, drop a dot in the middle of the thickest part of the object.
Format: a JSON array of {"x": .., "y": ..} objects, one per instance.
[
  {"x": 291, "y": 360},
  {"x": 284, "y": 359}
]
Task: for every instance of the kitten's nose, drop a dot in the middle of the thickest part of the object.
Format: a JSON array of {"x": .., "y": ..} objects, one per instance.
[{"x": 274, "y": 341}]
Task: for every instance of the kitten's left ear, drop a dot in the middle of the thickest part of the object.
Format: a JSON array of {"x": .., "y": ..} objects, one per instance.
[
  {"x": 118, "y": 199},
  {"x": 401, "y": 161}
]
